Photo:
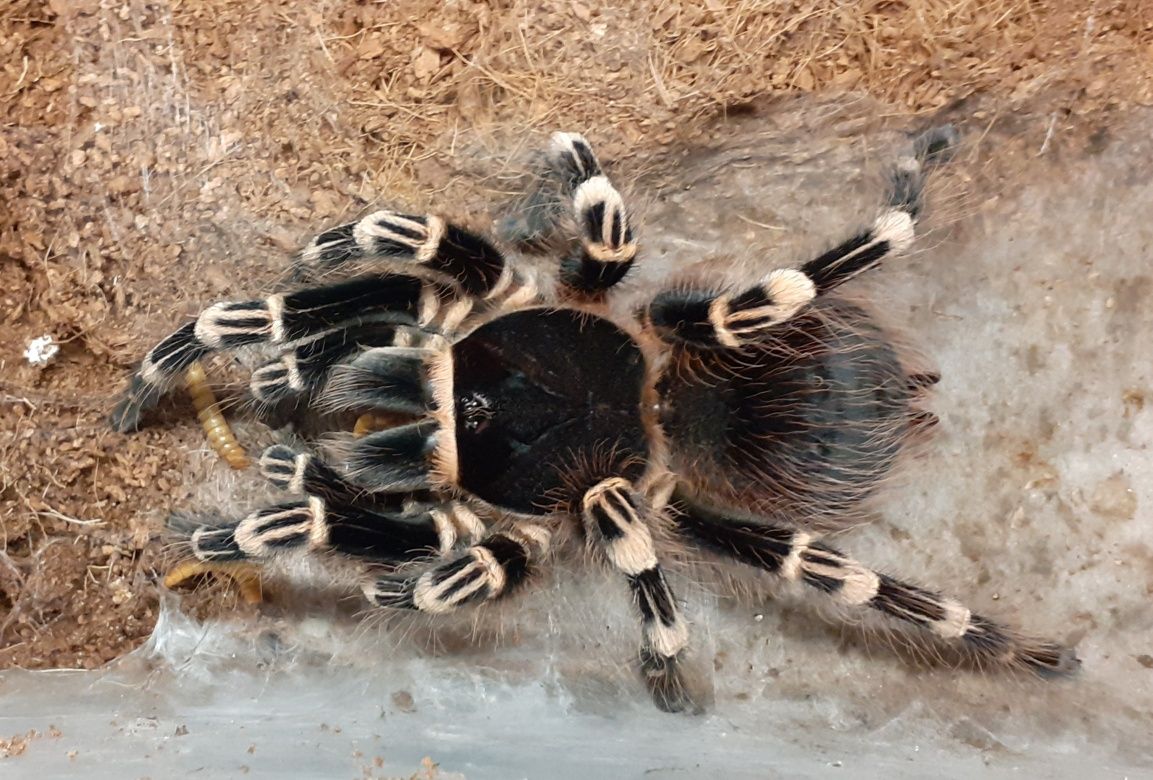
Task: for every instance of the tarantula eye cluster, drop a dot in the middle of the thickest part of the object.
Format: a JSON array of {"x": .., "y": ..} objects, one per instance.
[
  {"x": 475, "y": 411},
  {"x": 735, "y": 421}
]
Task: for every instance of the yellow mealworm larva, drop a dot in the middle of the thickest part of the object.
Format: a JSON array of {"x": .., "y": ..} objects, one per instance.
[
  {"x": 371, "y": 422},
  {"x": 245, "y": 575},
  {"x": 216, "y": 428}
]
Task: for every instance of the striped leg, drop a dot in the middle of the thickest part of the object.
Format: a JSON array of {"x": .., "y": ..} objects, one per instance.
[
  {"x": 279, "y": 319},
  {"x": 341, "y": 522},
  {"x": 469, "y": 259},
  {"x": 490, "y": 569},
  {"x": 795, "y": 556},
  {"x": 303, "y": 369},
  {"x": 614, "y": 515},
  {"x": 363, "y": 531},
  {"x": 607, "y": 246},
  {"x": 732, "y": 320},
  {"x": 303, "y": 473},
  {"x": 310, "y": 524}
]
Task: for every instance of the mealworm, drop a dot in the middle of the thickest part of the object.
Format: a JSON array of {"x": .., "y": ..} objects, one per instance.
[
  {"x": 245, "y": 575},
  {"x": 216, "y": 428},
  {"x": 371, "y": 422}
]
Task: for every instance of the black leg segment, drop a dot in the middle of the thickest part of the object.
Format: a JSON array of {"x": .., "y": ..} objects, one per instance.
[
  {"x": 607, "y": 245},
  {"x": 469, "y": 259},
  {"x": 614, "y": 517},
  {"x": 490, "y": 569},
  {"x": 278, "y": 319},
  {"x": 796, "y": 556}
]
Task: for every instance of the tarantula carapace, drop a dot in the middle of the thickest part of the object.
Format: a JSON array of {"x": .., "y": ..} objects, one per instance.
[{"x": 733, "y": 422}]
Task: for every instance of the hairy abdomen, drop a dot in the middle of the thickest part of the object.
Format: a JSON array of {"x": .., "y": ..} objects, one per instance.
[{"x": 801, "y": 427}]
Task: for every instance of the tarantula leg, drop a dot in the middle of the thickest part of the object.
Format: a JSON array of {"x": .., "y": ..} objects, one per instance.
[
  {"x": 341, "y": 526},
  {"x": 389, "y": 379},
  {"x": 302, "y": 472},
  {"x": 279, "y": 319},
  {"x": 157, "y": 373},
  {"x": 608, "y": 247},
  {"x": 735, "y": 319},
  {"x": 892, "y": 232},
  {"x": 306, "y": 474},
  {"x": 572, "y": 157},
  {"x": 408, "y": 457},
  {"x": 795, "y": 556},
  {"x": 730, "y": 320},
  {"x": 613, "y": 515},
  {"x": 469, "y": 259},
  {"x": 490, "y": 569},
  {"x": 303, "y": 369},
  {"x": 360, "y": 532}
]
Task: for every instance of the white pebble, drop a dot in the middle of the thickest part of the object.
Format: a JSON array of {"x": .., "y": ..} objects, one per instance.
[{"x": 41, "y": 351}]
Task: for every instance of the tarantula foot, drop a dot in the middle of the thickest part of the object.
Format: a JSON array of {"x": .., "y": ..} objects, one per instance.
[
  {"x": 126, "y": 415},
  {"x": 281, "y": 466},
  {"x": 245, "y": 575},
  {"x": 666, "y": 683},
  {"x": 936, "y": 145},
  {"x": 1052, "y": 661}
]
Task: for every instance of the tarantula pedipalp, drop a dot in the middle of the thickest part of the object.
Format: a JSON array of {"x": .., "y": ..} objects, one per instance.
[{"x": 734, "y": 422}]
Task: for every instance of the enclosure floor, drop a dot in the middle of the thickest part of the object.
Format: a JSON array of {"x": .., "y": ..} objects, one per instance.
[
  {"x": 157, "y": 156},
  {"x": 1031, "y": 503}
]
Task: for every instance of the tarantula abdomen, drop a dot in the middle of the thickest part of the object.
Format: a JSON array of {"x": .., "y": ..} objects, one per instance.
[{"x": 801, "y": 425}]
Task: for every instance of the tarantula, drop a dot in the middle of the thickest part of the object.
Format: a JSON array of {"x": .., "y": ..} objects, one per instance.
[{"x": 726, "y": 422}]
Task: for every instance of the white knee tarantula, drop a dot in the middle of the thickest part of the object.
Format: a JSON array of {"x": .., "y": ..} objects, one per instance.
[{"x": 730, "y": 423}]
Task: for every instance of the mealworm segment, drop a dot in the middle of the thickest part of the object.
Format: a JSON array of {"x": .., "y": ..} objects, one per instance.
[
  {"x": 216, "y": 428},
  {"x": 246, "y": 576}
]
